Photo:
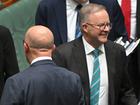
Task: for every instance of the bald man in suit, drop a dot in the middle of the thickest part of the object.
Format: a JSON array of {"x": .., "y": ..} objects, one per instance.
[{"x": 43, "y": 82}]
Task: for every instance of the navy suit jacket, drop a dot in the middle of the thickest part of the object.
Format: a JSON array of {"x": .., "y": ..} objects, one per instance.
[
  {"x": 43, "y": 83},
  {"x": 72, "y": 56},
  {"x": 8, "y": 59},
  {"x": 52, "y": 13}
]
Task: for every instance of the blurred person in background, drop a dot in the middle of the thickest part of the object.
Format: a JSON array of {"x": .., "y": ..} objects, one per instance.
[
  {"x": 61, "y": 17},
  {"x": 8, "y": 58},
  {"x": 131, "y": 12}
]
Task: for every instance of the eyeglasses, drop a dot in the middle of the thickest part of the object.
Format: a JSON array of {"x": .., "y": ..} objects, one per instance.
[{"x": 101, "y": 26}]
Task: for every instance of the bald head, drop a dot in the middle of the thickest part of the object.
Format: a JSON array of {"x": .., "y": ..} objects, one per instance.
[
  {"x": 38, "y": 42},
  {"x": 39, "y": 37}
]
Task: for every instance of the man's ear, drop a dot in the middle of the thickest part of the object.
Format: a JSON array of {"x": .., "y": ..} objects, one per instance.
[
  {"x": 84, "y": 27},
  {"x": 53, "y": 48},
  {"x": 26, "y": 47}
]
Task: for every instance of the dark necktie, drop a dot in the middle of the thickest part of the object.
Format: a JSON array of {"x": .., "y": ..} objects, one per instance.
[
  {"x": 78, "y": 31},
  {"x": 95, "y": 83}
]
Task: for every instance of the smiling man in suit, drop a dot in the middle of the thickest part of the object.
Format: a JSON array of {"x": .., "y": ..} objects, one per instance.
[
  {"x": 60, "y": 16},
  {"x": 43, "y": 83},
  {"x": 77, "y": 55}
]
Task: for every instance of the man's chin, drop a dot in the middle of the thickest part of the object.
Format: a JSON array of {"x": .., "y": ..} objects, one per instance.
[{"x": 104, "y": 40}]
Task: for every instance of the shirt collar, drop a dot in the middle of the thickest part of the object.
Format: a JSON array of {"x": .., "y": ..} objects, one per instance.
[
  {"x": 89, "y": 49},
  {"x": 41, "y": 58}
]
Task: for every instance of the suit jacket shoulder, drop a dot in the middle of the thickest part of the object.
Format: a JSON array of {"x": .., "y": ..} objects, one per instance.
[
  {"x": 43, "y": 83},
  {"x": 114, "y": 46}
]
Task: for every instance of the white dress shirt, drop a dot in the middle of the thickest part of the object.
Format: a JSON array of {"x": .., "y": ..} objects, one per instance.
[
  {"x": 41, "y": 58},
  {"x": 103, "y": 94},
  {"x": 71, "y": 18}
]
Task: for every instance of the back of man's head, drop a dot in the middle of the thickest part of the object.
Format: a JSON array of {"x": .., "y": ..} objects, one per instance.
[
  {"x": 38, "y": 42},
  {"x": 39, "y": 37}
]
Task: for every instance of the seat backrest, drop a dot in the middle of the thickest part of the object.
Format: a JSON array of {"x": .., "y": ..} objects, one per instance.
[{"x": 18, "y": 18}]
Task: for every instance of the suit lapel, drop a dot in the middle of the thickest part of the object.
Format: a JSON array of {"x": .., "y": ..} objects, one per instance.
[
  {"x": 79, "y": 52},
  {"x": 111, "y": 70},
  {"x": 61, "y": 19}
]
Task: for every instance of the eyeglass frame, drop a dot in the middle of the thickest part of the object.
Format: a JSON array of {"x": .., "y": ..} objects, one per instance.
[{"x": 101, "y": 26}]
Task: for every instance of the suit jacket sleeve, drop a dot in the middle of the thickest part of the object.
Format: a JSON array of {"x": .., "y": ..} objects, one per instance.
[
  {"x": 12, "y": 94},
  {"x": 81, "y": 91},
  {"x": 41, "y": 14}
]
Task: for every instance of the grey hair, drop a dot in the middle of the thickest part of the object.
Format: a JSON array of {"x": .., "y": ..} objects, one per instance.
[{"x": 89, "y": 9}]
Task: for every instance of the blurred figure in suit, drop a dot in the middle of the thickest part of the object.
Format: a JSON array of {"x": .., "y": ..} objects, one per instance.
[
  {"x": 134, "y": 57},
  {"x": 8, "y": 59},
  {"x": 43, "y": 83},
  {"x": 61, "y": 19}
]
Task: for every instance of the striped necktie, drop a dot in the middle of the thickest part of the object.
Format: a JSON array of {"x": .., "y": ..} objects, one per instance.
[
  {"x": 78, "y": 31},
  {"x": 95, "y": 83},
  {"x": 126, "y": 9}
]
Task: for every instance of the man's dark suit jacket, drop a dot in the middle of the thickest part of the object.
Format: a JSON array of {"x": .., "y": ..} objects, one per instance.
[
  {"x": 52, "y": 13},
  {"x": 8, "y": 60},
  {"x": 72, "y": 56},
  {"x": 134, "y": 58},
  {"x": 43, "y": 83}
]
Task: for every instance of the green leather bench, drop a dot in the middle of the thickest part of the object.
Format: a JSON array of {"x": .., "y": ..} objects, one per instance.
[{"x": 18, "y": 18}]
